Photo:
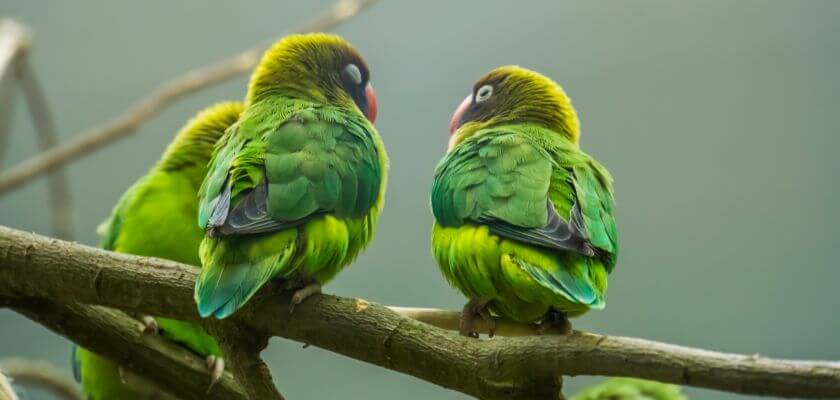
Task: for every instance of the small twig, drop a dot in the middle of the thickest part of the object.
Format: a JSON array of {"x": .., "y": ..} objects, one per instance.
[
  {"x": 7, "y": 392},
  {"x": 13, "y": 40},
  {"x": 148, "y": 107},
  {"x": 61, "y": 203},
  {"x": 40, "y": 374}
]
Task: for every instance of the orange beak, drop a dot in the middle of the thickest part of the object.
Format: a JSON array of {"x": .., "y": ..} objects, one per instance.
[
  {"x": 459, "y": 112},
  {"x": 370, "y": 95}
]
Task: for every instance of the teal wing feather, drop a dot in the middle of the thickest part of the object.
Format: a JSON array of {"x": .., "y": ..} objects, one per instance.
[{"x": 316, "y": 161}]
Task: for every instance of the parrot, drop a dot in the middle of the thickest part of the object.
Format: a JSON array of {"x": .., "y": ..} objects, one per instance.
[
  {"x": 296, "y": 185},
  {"x": 523, "y": 218},
  {"x": 631, "y": 389},
  {"x": 156, "y": 218}
]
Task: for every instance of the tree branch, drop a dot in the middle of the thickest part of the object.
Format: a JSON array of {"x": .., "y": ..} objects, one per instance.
[
  {"x": 143, "y": 110},
  {"x": 242, "y": 352},
  {"x": 7, "y": 392},
  {"x": 114, "y": 334},
  {"x": 40, "y": 374},
  {"x": 502, "y": 368}
]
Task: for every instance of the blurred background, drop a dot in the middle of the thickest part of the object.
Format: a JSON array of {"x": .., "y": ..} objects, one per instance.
[{"x": 716, "y": 119}]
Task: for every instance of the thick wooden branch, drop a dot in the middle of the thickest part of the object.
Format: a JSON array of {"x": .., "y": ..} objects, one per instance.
[
  {"x": 242, "y": 351},
  {"x": 121, "y": 338},
  {"x": 502, "y": 368},
  {"x": 145, "y": 109}
]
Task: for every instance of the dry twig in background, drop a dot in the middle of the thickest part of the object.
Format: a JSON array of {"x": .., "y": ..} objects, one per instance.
[
  {"x": 148, "y": 107},
  {"x": 40, "y": 374},
  {"x": 13, "y": 40},
  {"x": 16, "y": 72},
  {"x": 61, "y": 203},
  {"x": 36, "y": 267}
]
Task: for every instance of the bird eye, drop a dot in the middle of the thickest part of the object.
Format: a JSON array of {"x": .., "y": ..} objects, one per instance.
[
  {"x": 483, "y": 93},
  {"x": 353, "y": 72}
]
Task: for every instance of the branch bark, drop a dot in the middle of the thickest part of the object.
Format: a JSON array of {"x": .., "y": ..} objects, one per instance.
[
  {"x": 502, "y": 368},
  {"x": 145, "y": 109},
  {"x": 114, "y": 334},
  {"x": 241, "y": 349}
]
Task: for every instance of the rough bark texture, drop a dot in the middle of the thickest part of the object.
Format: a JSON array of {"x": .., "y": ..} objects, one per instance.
[
  {"x": 121, "y": 339},
  {"x": 502, "y": 368},
  {"x": 241, "y": 348}
]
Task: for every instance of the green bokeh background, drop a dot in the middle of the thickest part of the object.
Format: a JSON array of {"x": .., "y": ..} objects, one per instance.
[{"x": 716, "y": 118}]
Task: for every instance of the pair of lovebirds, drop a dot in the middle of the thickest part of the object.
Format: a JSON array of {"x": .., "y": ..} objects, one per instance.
[{"x": 290, "y": 185}]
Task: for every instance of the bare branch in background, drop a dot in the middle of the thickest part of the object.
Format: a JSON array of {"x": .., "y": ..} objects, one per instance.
[
  {"x": 13, "y": 40},
  {"x": 135, "y": 116},
  {"x": 40, "y": 374},
  {"x": 530, "y": 367},
  {"x": 15, "y": 71},
  {"x": 61, "y": 203}
]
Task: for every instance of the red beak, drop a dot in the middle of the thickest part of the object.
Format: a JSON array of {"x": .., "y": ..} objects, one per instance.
[
  {"x": 459, "y": 112},
  {"x": 370, "y": 94}
]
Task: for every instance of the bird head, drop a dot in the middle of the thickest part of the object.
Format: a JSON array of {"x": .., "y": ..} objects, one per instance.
[
  {"x": 317, "y": 67},
  {"x": 513, "y": 94}
]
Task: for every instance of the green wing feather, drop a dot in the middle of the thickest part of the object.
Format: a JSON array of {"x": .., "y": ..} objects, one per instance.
[
  {"x": 272, "y": 175},
  {"x": 497, "y": 175},
  {"x": 505, "y": 177}
]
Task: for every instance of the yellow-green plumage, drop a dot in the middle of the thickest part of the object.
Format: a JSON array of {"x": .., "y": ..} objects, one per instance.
[
  {"x": 523, "y": 217},
  {"x": 155, "y": 218},
  {"x": 631, "y": 389},
  {"x": 295, "y": 187}
]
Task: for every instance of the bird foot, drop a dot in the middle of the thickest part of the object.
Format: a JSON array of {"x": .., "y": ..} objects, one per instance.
[
  {"x": 555, "y": 322},
  {"x": 303, "y": 294},
  {"x": 473, "y": 309},
  {"x": 150, "y": 324},
  {"x": 216, "y": 366}
]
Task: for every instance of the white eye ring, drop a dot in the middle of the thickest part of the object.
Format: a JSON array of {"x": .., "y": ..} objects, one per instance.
[
  {"x": 483, "y": 93},
  {"x": 355, "y": 74}
]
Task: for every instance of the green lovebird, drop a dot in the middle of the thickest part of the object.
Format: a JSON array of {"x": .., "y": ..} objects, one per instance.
[
  {"x": 156, "y": 218},
  {"x": 524, "y": 221},
  {"x": 631, "y": 389},
  {"x": 296, "y": 185}
]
